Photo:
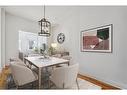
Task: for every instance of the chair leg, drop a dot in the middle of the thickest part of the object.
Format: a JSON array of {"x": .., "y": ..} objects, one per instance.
[
  {"x": 33, "y": 85},
  {"x": 63, "y": 85},
  {"x": 49, "y": 83},
  {"x": 17, "y": 87},
  {"x": 77, "y": 83}
]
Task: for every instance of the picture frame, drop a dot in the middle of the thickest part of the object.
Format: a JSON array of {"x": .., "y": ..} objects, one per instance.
[{"x": 97, "y": 39}]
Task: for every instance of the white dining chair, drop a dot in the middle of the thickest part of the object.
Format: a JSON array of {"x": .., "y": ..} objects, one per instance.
[
  {"x": 22, "y": 75},
  {"x": 65, "y": 77},
  {"x": 17, "y": 61},
  {"x": 66, "y": 57}
]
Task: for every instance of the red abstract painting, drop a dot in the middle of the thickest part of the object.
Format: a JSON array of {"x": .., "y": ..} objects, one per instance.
[{"x": 97, "y": 39}]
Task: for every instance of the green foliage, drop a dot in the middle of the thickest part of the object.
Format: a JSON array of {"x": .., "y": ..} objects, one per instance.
[
  {"x": 50, "y": 50},
  {"x": 103, "y": 33},
  {"x": 36, "y": 49}
]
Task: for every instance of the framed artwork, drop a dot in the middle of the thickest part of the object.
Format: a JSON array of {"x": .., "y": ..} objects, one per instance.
[{"x": 97, "y": 39}]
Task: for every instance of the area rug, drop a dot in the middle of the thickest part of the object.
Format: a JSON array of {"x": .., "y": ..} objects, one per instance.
[{"x": 83, "y": 84}]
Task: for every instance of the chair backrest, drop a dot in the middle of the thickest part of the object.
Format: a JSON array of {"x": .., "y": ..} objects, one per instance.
[
  {"x": 21, "y": 55},
  {"x": 34, "y": 54},
  {"x": 18, "y": 61},
  {"x": 66, "y": 57},
  {"x": 21, "y": 74},
  {"x": 65, "y": 77}
]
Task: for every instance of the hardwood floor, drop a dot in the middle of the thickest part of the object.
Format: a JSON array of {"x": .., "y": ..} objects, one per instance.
[
  {"x": 3, "y": 77},
  {"x": 104, "y": 86}
]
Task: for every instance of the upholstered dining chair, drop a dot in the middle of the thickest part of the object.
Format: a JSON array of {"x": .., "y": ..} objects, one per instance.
[
  {"x": 66, "y": 57},
  {"x": 17, "y": 61},
  {"x": 65, "y": 77},
  {"x": 22, "y": 75}
]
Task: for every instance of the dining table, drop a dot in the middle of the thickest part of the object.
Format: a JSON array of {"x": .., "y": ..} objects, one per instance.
[{"x": 41, "y": 62}]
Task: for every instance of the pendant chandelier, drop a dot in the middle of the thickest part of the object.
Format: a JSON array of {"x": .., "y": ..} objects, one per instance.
[{"x": 45, "y": 26}]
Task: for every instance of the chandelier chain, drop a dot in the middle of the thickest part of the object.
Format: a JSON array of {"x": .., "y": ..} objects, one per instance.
[{"x": 44, "y": 11}]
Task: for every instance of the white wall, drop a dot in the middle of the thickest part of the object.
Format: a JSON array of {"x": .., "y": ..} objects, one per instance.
[
  {"x": 108, "y": 67},
  {"x": 3, "y": 37},
  {"x": 13, "y": 25}
]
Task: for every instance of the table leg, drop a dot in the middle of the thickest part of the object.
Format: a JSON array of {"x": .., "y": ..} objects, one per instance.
[
  {"x": 24, "y": 60},
  {"x": 39, "y": 78},
  {"x": 68, "y": 63}
]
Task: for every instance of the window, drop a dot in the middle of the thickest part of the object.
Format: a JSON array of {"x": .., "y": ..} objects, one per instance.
[{"x": 30, "y": 41}]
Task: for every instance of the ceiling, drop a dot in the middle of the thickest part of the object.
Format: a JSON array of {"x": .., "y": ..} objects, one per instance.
[{"x": 55, "y": 14}]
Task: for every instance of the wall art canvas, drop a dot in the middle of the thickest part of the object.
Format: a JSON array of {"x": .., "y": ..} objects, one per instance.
[{"x": 97, "y": 39}]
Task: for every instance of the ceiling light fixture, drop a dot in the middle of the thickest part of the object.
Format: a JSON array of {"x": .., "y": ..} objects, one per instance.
[{"x": 45, "y": 26}]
